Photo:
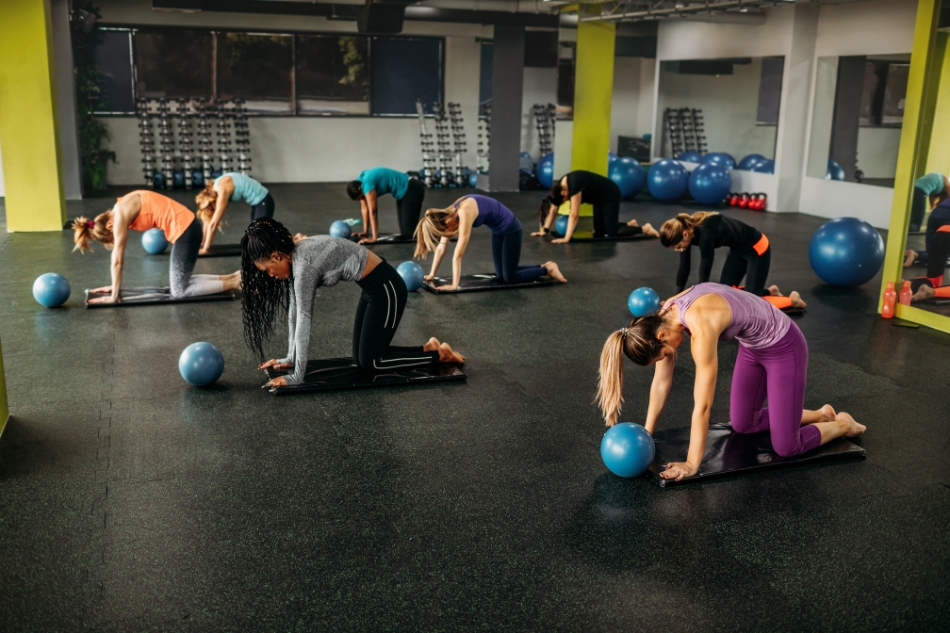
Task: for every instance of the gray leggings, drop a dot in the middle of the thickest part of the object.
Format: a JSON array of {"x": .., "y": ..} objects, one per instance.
[{"x": 184, "y": 256}]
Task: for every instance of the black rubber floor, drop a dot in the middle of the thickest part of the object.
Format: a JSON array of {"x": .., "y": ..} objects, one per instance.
[{"x": 130, "y": 501}]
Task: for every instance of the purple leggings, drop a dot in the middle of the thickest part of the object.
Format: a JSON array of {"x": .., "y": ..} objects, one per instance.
[{"x": 779, "y": 373}]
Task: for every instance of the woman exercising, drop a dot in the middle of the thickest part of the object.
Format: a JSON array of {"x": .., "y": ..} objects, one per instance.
[
  {"x": 230, "y": 187},
  {"x": 939, "y": 218},
  {"x": 749, "y": 253},
  {"x": 276, "y": 268},
  {"x": 928, "y": 191},
  {"x": 372, "y": 183},
  {"x": 588, "y": 187},
  {"x": 772, "y": 362},
  {"x": 439, "y": 226},
  {"x": 141, "y": 211}
]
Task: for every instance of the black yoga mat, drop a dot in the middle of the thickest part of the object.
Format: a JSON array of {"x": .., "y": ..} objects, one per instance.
[
  {"x": 155, "y": 295},
  {"x": 589, "y": 237},
  {"x": 390, "y": 238},
  {"x": 223, "y": 250},
  {"x": 338, "y": 374},
  {"x": 729, "y": 453},
  {"x": 477, "y": 283}
]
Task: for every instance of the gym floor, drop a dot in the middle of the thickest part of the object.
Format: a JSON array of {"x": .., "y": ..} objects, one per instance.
[{"x": 130, "y": 501}]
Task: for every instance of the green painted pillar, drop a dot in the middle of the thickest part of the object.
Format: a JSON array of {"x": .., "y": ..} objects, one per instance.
[
  {"x": 28, "y": 126},
  {"x": 593, "y": 93}
]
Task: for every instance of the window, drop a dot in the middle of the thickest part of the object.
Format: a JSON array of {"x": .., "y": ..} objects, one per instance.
[
  {"x": 770, "y": 91},
  {"x": 256, "y": 68},
  {"x": 332, "y": 74},
  {"x": 565, "y": 77},
  {"x": 895, "y": 91},
  {"x": 882, "y": 96},
  {"x": 484, "y": 78},
  {"x": 404, "y": 70},
  {"x": 114, "y": 58},
  {"x": 174, "y": 64}
]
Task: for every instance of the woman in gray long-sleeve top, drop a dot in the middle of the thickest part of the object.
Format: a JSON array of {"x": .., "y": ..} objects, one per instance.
[{"x": 276, "y": 271}]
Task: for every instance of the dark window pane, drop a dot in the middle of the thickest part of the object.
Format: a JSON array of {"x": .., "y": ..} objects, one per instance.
[
  {"x": 770, "y": 90},
  {"x": 405, "y": 69},
  {"x": 333, "y": 74},
  {"x": 484, "y": 77},
  {"x": 173, "y": 63},
  {"x": 540, "y": 49},
  {"x": 114, "y": 58},
  {"x": 892, "y": 112},
  {"x": 565, "y": 83},
  {"x": 256, "y": 68}
]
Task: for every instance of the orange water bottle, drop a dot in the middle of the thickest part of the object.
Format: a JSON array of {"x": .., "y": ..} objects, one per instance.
[
  {"x": 890, "y": 296},
  {"x": 906, "y": 293}
]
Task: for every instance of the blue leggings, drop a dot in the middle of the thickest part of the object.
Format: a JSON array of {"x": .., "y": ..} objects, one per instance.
[{"x": 506, "y": 251}]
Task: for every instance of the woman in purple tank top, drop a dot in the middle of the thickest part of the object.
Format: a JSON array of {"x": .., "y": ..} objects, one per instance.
[{"x": 772, "y": 362}]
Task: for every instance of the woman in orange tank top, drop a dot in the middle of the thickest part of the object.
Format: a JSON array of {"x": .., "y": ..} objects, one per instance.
[{"x": 140, "y": 211}]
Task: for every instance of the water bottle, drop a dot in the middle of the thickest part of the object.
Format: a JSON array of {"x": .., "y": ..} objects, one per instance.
[
  {"x": 890, "y": 297},
  {"x": 906, "y": 293}
]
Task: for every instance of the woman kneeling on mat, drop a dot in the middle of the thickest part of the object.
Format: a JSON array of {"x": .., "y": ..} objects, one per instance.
[
  {"x": 772, "y": 362},
  {"x": 141, "y": 211},
  {"x": 372, "y": 183},
  {"x": 230, "y": 187},
  {"x": 590, "y": 188},
  {"x": 276, "y": 268},
  {"x": 749, "y": 253},
  {"x": 932, "y": 286},
  {"x": 441, "y": 225}
]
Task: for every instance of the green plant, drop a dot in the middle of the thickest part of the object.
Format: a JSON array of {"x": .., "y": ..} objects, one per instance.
[{"x": 91, "y": 131}]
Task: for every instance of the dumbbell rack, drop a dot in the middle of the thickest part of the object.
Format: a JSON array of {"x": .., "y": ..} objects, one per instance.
[
  {"x": 205, "y": 142},
  {"x": 146, "y": 141},
  {"x": 694, "y": 130},
  {"x": 242, "y": 136},
  {"x": 443, "y": 139},
  {"x": 224, "y": 140},
  {"x": 484, "y": 137},
  {"x": 185, "y": 142},
  {"x": 166, "y": 143},
  {"x": 458, "y": 139},
  {"x": 428, "y": 146},
  {"x": 544, "y": 120}
]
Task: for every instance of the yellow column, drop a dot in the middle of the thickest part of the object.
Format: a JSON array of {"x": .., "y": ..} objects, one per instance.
[
  {"x": 593, "y": 92},
  {"x": 938, "y": 158},
  {"x": 28, "y": 127}
]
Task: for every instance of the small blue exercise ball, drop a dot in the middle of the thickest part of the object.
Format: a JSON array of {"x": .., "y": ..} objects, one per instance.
[
  {"x": 846, "y": 252},
  {"x": 545, "y": 171},
  {"x": 835, "y": 171},
  {"x": 154, "y": 242},
  {"x": 525, "y": 155},
  {"x": 197, "y": 178},
  {"x": 627, "y": 449},
  {"x": 473, "y": 179},
  {"x": 629, "y": 175},
  {"x": 710, "y": 183},
  {"x": 560, "y": 225},
  {"x": 720, "y": 157},
  {"x": 643, "y": 302},
  {"x": 748, "y": 161},
  {"x": 201, "y": 364},
  {"x": 611, "y": 157},
  {"x": 667, "y": 179},
  {"x": 690, "y": 157},
  {"x": 51, "y": 290},
  {"x": 412, "y": 274},
  {"x": 340, "y": 229},
  {"x": 216, "y": 173},
  {"x": 764, "y": 166}
]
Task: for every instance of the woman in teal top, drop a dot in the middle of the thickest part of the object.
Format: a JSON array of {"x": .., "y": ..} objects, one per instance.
[
  {"x": 230, "y": 187},
  {"x": 931, "y": 189},
  {"x": 372, "y": 183}
]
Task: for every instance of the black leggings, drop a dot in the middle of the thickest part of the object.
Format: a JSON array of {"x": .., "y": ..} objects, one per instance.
[
  {"x": 409, "y": 207},
  {"x": 506, "y": 251},
  {"x": 181, "y": 266},
  {"x": 741, "y": 262},
  {"x": 607, "y": 218},
  {"x": 382, "y": 301},
  {"x": 263, "y": 209},
  {"x": 918, "y": 207}
]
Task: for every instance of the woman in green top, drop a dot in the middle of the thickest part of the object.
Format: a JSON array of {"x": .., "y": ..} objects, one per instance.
[
  {"x": 378, "y": 181},
  {"x": 929, "y": 190},
  {"x": 230, "y": 187}
]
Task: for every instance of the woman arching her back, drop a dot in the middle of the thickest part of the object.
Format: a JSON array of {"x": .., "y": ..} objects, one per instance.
[
  {"x": 229, "y": 187},
  {"x": 772, "y": 363}
]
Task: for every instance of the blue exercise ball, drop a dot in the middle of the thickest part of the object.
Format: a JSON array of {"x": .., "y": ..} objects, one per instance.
[
  {"x": 846, "y": 252},
  {"x": 216, "y": 173},
  {"x": 412, "y": 274},
  {"x": 201, "y": 364},
  {"x": 720, "y": 157},
  {"x": 545, "y": 171},
  {"x": 667, "y": 179},
  {"x": 835, "y": 171},
  {"x": 627, "y": 449},
  {"x": 340, "y": 229},
  {"x": 51, "y": 290},
  {"x": 643, "y": 301},
  {"x": 611, "y": 157},
  {"x": 629, "y": 175},
  {"x": 690, "y": 157},
  {"x": 764, "y": 166},
  {"x": 473, "y": 179},
  {"x": 525, "y": 155},
  {"x": 560, "y": 225},
  {"x": 748, "y": 161},
  {"x": 154, "y": 242},
  {"x": 158, "y": 180},
  {"x": 710, "y": 183},
  {"x": 198, "y": 178}
]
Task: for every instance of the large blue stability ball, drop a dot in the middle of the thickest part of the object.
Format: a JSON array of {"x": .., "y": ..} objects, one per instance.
[
  {"x": 154, "y": 242},
  {"x": 627, "y": 449},
  {"x": 710, "y": 183},
  {"x": 720, "y": 157},
  {"x": 340, "y": 229},
  {"x": 51, "y": 290},
  {"x": 643, "y": 301},
  {"x": 560, "y": 225},
  {"x": 764, "y": 166},
  {"x": 846, "y": 252},
  {"x": 747, "y": 161},
  {"x": 201, "y": 364},
  {"x": 545, "y": 170},
  {"x": 473, "y": 179},
  {"x": 667, "y": 179},
  {"x": 629, "y": 175},
  {"x": 690, "y": 156},
  {"x": 835, "y": 171},
  {"x": 611, "y": 157},
  {"x": 412, "y": 274}
]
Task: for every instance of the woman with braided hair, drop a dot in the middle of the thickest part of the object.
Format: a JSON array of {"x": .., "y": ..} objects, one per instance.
[
  {"x": 280, "y": 270},
  {"x": 772, "y": 362}
]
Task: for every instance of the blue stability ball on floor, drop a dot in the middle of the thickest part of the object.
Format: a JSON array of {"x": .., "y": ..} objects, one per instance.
[
  {"x": 51, "y": 290},
  {"x": 340, "y": 229},
  {"x": 846, "y": 252},
  {"x": 643, "y": 301},
  {"x": 720, "y": 157},
  {"x": 710, "y": 183},
  {"x": 764, "y": 166},
  {"x": 201, "y": 364},
  {"x": 412, "y": 274},
  {"x": 154, "y": 242},
  {"x": 627, "y": 449},
  {"x": 198, "y": 178},
  {"x": 545, "y": 171},
  {"x": 611, "y": 157},
  {"x": 473, "y": 179},
  {"x": 690, "y": 157},
  {"x": 748, "y": 161},
  {"x": 667, "y": 179},
  {"x": 560, "y": 225},
  {"x": 629, "y": 175},
  {"x": 835, "y": 171}
]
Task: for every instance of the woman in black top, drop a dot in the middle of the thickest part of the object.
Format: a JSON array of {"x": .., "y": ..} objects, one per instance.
[{"x": 587, "y": 187}]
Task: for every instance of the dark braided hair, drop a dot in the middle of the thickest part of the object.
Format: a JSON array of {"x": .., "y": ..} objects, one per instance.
[
  {"x": 262, "y": 295},
  {"x": 555, "y": 196}
]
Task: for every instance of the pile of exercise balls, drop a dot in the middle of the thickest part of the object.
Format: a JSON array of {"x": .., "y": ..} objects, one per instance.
[
  {"x": 201, "y": 364},
  {"x": 721, "y": 158},
  {"x": 340, "y": 229},
  {"x": 51, "y": 290},
  {"x": 846, "y": 252},
  {"x": 643, "y": 301},
  {"x": 667, "y": 179},
  {"x": 690, "y": 156},
  {"x": 154, "y": 242},
  {"x": 412, "y": 274},
  {"x": 629, "y": 175},
  {"x": 710, "y": 182},
  {"x": 748, "y": 161},
  {"x": 627, "y": 449}
]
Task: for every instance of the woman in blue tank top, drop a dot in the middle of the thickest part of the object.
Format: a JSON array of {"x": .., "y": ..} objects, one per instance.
[
  {"x": 230, "y": 187},
  {"x": 439, "y": 226}
]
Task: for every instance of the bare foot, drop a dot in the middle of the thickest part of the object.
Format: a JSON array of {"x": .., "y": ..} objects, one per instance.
[
  {"x": 926, "y": 291},
  {"x": 632, "y": 223},
  {"x": 852, "y": 428},
  {"x": 649, "y": 230},
  {"x": 554, "y": 272},
  {"x": 432, "y": 345},
  {"x": 299, "y": 237},
  {"x": 910, "y": 256},
  {"x": 797, "y": 300},
  {"x": 774, "y": 291},
  {"x": 447, "y": 355}
]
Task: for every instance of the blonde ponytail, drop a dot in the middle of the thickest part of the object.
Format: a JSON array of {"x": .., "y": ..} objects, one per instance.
[
  {"x": 671, "y": 233},
  {"x": 610, "y": 384},
  {"x": 86, "y": 230},
  {"x": 432, "y": 227},
  {"x": 206, "y": 199}
]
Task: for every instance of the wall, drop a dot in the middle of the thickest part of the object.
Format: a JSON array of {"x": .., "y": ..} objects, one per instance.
[
  {"x": 685, "y": 39},
  {"x": 837, "y": 199},
  {"x": 540, "y": 86},
  {"x": 877, "y": 151},
  {"x": 879, "y": 27},
  {"x": 625, "y": 106}
]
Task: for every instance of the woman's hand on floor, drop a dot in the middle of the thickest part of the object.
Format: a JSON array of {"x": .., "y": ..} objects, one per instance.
[
  {"x": 109, "y": 299},
  {"x": 274, "y": 364},
  {"x": 560, "y": 240},
  {"x": 280, "y": 381},
  {"x": 102, "y": 290},
  {"x": 679, "y": 471},
  {"x": 538, "y": 233}
]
